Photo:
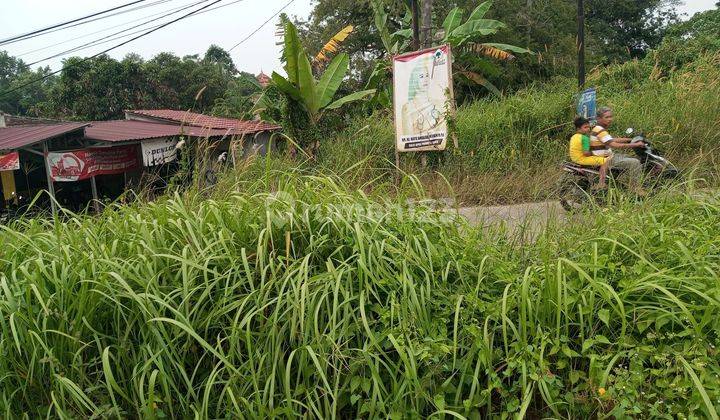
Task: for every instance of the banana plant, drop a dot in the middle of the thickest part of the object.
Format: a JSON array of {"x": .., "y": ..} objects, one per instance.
[
  {"x": 462, "y": 35},
  {"x": 301, "y": 87}
]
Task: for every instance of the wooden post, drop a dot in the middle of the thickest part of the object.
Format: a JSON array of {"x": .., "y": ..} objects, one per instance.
[
  {"x": 415, "y": 24},
  {"x": 427, "y": 29},
  {"x": 96, "y": 200},
  {"x": 48, "y": 174},
  {"x": 581, "y": 43}
]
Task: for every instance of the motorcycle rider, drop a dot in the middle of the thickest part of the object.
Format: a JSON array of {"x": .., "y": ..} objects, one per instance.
[
  {"x": 603, "y": 144},
  {"x": 581, "y": 152}
]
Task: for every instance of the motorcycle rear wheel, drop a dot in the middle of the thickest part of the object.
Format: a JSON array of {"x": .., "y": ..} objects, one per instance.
[{"x": 573, "y": 193}]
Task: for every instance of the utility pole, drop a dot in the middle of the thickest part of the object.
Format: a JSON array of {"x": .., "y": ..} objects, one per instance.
[
  {"x": 415, "y": 24},
  {"x": 581, "y": 43},
  {"x": 427, "y": 29}
]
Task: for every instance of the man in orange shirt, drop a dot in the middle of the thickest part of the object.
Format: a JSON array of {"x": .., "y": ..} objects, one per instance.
[{"x": 603, "y": 144}]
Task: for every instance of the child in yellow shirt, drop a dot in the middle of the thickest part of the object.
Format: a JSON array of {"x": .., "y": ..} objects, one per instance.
[{"x": 581, "y": 153}]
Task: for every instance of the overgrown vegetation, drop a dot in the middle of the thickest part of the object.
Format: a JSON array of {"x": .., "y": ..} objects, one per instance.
[
  {"x": 313, "y": 301},
  {"x": 511, "y": 147}
]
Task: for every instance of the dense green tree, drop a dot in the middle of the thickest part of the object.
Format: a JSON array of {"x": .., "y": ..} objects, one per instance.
[
  {"x": 17, "y": 95},
  {"x": 102, "y": 88},
  {"x": 220, "y": 57},
  {"x": 629, "y": 28},
  {"x": 617, "y": 30},
  {"x": 239, "y": 98},
  {"x": 686, "y": 40}
]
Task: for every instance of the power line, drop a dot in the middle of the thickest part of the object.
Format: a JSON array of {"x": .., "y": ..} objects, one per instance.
[
  {"x": 39, "y": 31},
  {"x": 103, "y": 17},
  {"x": 122, "y": 24},
  {"x": 40, "y": 79},
  {"x": 97, "y": 32},
  {"x": 261, "y": 26},
  {"x": 97, "y": 41}
]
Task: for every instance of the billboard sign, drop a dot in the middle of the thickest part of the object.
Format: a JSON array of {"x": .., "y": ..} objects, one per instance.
[
  {"x": 10, "y": 162},
  {"x": 158, "y": 151},
  {"x": 422, "y": 83},
  {"x": 82, "y": 164}
]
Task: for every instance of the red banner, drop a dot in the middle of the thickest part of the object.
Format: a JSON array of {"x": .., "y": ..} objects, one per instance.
[
  {"x": 10, "y": 162},
  {"x": 82, "y": 164}
]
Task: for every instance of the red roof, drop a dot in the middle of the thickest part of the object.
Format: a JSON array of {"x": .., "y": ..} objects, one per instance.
[
  {"x": 25, "y": 135},
  {"x": 129, "y": 130},
  {"x": 238, "y": 127}
]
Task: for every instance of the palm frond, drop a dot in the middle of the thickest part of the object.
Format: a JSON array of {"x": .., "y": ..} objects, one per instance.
[{"x": 488, "y": 51}]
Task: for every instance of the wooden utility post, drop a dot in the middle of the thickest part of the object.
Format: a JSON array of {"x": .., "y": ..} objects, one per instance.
[
  {"x": 415, "y": 24},
  {"x": 427, "y": 29},
  {"x": 415, "y": 9},
  {"x": 581, "y": 43},
  {"x": 48, "y": 174}
]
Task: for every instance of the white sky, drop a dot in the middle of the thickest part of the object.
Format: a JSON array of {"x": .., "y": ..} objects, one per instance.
[{"x": 224, "y": 27}]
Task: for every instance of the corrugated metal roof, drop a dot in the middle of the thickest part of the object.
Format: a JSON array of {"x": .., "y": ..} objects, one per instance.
[
  {"x": 239, "y": 127},
  {"x": 22, "y": 136},
  {"x": 129, "y": 130},
  {"x": 15, "y": 120}
]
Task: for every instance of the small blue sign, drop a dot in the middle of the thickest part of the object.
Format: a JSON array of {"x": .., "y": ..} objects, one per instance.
[{"x": 587, "y": 104}]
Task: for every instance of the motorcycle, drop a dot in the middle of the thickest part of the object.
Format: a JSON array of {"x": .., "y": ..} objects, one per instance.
[{"x": 577, "y": 181}]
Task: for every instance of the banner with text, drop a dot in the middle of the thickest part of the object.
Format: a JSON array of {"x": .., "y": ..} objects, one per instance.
[
  {"x": 158, "y": 151},
  {"x": 82, "y": 164},
  {"x": 422, "y": 83},
  {"x": 10, "y": 162}
]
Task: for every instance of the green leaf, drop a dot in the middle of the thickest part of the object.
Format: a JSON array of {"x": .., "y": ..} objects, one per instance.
[
  {"x": 699, "y": 386},
  {"x": 439, "y": 400},
  {"x": 508, "y": 47},
  {"x": 575, "y": 376},
  {"x": 306, "y": 84},
  {"x": 452, "y": 21},
  {"x": 403, "y": 33},
  {"x": 350, "y": 98},
  {"x": 480, "y": 11},
  {"x": 366, "y": 385},
  {"x": 604, "y": 316},
  {"x": 291, "y": 51},
  {"x": 331, "y": 79},
  {"x": 567, "y": 351},
  {"x": 587, "y": 344},
  {"x": 602, "y": 339},
  {"x": 381, "y": 23},
  {"x": 475, "y": 28},
  {"x": 285, "y": 86}
]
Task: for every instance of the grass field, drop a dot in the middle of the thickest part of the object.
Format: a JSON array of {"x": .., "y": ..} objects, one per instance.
[{"x": 317, "y": 301}]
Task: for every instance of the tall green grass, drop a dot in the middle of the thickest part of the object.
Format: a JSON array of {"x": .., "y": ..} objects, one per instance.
[{"x": 316, "y": 301}]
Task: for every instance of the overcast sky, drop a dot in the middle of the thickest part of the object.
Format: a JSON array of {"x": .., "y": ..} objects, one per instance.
[{"x": 224, "y": 27}]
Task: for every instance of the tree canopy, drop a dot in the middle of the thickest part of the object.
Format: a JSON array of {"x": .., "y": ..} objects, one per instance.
[{"x": 102, "y": 88}]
